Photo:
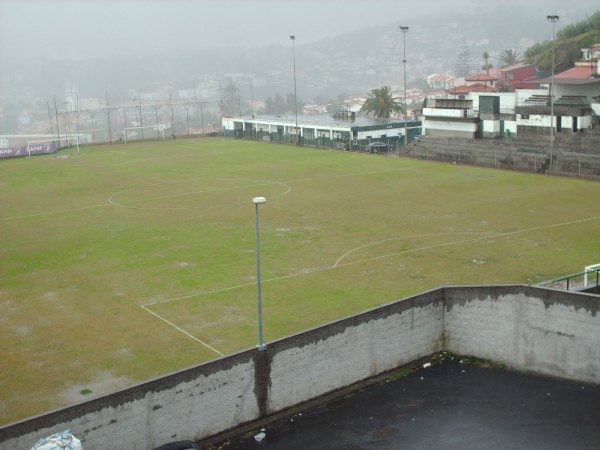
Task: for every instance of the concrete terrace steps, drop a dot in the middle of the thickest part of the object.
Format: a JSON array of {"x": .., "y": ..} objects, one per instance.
[
  {"x": 528, "y": 143},
  {"x": 526, "y": 153}
]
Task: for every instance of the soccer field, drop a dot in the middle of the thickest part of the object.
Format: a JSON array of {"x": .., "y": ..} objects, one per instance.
[{"x": 127, "y": 262}]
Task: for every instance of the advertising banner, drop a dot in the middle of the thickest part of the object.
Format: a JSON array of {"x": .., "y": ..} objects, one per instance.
[{"x": 36, "y": 149}]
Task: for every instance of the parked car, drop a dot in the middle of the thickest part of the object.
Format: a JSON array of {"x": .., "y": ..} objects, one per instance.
[
  {"x": 379, "y": 147},
  {"x": 179, "y": 445}
]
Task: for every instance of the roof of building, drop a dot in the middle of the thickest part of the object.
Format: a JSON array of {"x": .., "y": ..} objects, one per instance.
[
  {"x": 575, "y": 75},
  {"x": 481, "y": 77},
  {"x": 515, "y": 66},
  {"x": 442, "y": 77},
  {"x": 324, "y": 120},
  {"x": 466, "y": 89}
]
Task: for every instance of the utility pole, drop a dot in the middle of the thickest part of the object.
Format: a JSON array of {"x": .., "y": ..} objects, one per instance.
[
  {"x": 293, "y": 38},
  {"x": 57, "y": 127},
  {"x": 50, "y": 121},
  {"x": 404, "y": 30},
  {"x": 553, "y": 20},
  {"x": 78, "y": 116},
  {"x": 141, "y": 115},
  {"x": 202, "y": 116},
  {"x": 108, "y": 120},
  {"x": 252, "y": 97}
]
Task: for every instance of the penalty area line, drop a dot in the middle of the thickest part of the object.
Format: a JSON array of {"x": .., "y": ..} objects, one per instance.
[{"x": 181, "y": 330}]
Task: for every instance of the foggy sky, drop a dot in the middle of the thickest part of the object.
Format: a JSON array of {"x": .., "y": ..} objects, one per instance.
[{"x": 79, "y": 29}]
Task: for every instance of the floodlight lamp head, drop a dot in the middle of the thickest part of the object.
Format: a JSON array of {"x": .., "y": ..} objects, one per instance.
[
  {"x": 259, "y": 200},
  {"x": 552, "y": 18},
  {"x": 403, "y": 28},
  {"x": 293, "y": 37}
]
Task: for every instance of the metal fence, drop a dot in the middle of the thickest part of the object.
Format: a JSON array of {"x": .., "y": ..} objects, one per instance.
[
  {"x": 576, "y": 282},
  {"x": 580, "y": 164},
  {"x": 385, "y": 146}
]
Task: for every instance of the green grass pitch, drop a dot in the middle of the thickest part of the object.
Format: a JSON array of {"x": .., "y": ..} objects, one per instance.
[{"x": 127, "y": 262}]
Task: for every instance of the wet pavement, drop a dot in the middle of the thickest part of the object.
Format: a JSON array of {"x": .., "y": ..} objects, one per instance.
[{"x": 450, "y": 405}]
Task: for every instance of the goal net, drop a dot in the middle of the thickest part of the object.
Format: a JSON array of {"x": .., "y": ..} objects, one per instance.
[{"x": 139, "y": 133}]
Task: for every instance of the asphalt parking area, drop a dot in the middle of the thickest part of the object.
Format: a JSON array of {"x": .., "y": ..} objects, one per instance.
[{"x": 451, "y": 405}]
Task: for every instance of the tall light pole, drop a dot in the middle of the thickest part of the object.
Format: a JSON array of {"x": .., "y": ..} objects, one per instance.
[
  {"x": 404, "y": 31},
  {"x": 261, "y": 346},
  {"x": 293, "y": 38},
  {"x": 141, "y": 116},
  {"x": 552, "y": 19}
]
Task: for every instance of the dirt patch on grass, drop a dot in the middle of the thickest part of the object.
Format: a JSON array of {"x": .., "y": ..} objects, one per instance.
[{"x": 102, "y": 384}]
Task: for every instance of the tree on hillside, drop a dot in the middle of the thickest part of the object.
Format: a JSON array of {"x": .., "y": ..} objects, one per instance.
[
  {"x": 464, "y": 63},
  {"x": 229, "y": 98},
  {"x": 381, "y": 103},
  {"x": 509, "y": 57},
  {"x": 487, "y": 66},
  {"x": 275, "y": 105},
  {"x": 567, "y": 48}
]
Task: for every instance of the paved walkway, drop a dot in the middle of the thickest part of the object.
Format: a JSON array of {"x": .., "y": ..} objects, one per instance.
[{"x": 447, "y": 406}]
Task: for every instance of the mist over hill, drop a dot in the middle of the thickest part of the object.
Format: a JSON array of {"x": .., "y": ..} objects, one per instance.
[{"x": 352, "y": 62}]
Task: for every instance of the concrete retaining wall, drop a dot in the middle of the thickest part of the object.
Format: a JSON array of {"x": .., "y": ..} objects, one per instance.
[
  {"x": 324, "y": 359},
  {"x": 531, "y": 329}
]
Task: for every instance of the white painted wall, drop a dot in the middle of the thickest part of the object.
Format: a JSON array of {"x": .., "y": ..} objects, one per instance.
[
  {"x": 491, "y": 126},
  {"x": 507, "y": 99},
  {"x": 468, "y": 127},
  {"x": 527, "y": 333},
  {"x": 588, "y": 90},
  {"x": 534, "y": 120},
  {"x": 443, "y": 112},
  {"x": 227, "y": 124},
  {"x": 359, "y": 352}
]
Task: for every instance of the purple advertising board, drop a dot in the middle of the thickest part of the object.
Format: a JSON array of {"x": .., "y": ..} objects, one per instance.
[{"x": 36, "y": 149}]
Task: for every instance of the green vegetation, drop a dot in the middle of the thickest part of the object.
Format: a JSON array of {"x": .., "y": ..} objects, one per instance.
[
  {"x": 509, "y": 57},
  {"x": 569, "y": 42},
  {"x": 90, "y": 239},
  {"x": 400, "y": 374},
  {"x": 381, "y": 103},
  {"x": 482, "y": 363}
]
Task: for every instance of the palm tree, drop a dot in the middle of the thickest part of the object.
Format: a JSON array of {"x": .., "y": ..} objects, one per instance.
[
  {"x": 381, "y": 103},
  {"x": 509, "y": 57},
  {"x": 487, "y": 66}
]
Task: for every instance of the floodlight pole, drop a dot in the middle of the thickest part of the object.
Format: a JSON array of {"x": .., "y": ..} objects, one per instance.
[
  {"x": 261, "y": 346},
  {"x": 93, "y": 134},
  {"x": 553, "y": 20},
  {"x": 141, "y": 116},
  {"x": 404, "y": 30},
  {"x": 293, "y": 38}
]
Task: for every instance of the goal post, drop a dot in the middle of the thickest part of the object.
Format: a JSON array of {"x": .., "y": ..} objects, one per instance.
[
  {"x": 42, "y": 145},
  {"x": 587, "y": 270},
  {"x": 126, "y": 131}
]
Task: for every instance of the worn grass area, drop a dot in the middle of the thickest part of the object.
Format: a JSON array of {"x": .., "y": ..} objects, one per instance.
[{"x": 88, "y": 240}]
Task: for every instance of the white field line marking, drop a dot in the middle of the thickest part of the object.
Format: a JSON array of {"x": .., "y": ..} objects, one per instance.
[
  {"x": 408, "y": 237},
  {"x": 322, "y": 269},
  {"x": 184, "y": 332},
  {"x": 498, "y": 235}
]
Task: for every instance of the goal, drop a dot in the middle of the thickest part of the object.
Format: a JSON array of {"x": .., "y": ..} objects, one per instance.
[
  {"x": 594, "y": 268},
  {"x": 133, "y": 133}
]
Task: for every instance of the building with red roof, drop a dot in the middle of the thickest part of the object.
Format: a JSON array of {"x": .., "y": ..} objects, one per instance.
[
  {"x": 517, "y": 76},
  {"x": 465, "y": 89}
]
